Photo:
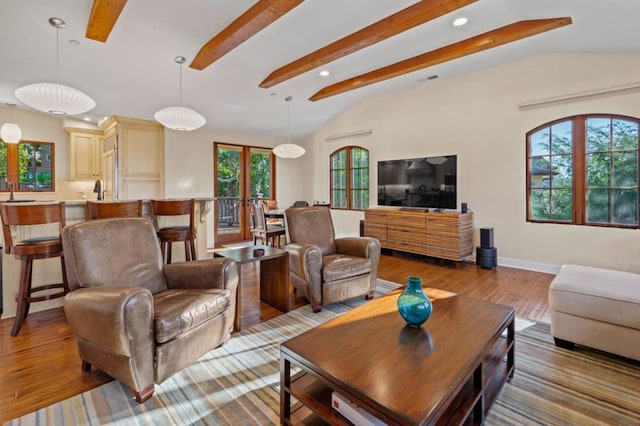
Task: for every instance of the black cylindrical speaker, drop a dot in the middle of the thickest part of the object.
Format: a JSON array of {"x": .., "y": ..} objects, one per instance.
[
  {"x": 463, "y": 207},
  {"x": 486, "y": 237},
  {"x": 362, "y": 228},
  {"x": 487, "y": 258}
]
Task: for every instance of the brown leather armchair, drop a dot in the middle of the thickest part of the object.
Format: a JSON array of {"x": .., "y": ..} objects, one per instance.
[
  {"x": 134, "y": 318},
  {"x": 326, "y": 269}
]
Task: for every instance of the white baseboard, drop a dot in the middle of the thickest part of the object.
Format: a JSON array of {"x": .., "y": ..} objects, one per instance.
[{"x": 529, "y": 266}]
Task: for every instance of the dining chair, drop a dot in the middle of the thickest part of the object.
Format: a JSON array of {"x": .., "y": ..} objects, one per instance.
[
  {"x": 268, "y": 205},
  {"x": 261, "y": 230}
]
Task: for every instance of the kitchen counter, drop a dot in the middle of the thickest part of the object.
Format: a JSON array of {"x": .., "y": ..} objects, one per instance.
[{"x": 48, "y": 270}]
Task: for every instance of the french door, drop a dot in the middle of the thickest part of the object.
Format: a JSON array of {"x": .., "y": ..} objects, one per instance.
[{"x": 242, "y": 175}]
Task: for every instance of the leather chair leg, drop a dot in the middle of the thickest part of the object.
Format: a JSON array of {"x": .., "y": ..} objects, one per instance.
[
  {"x": 86, "y": 366},
  {"x": 316, "y": 308},
  {"x": 369, "y": 295},
  {"x": 144, "y": 394}
]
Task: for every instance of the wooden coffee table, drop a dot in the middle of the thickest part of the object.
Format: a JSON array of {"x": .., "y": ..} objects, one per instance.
[
  {"x": 274, "y": 276},
  {"x": 447, "y": 372}
]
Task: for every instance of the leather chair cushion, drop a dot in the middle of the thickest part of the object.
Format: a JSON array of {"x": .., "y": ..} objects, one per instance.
[
  {"x": 179, "y": 310},
  {"x": 339, "y": 266}
]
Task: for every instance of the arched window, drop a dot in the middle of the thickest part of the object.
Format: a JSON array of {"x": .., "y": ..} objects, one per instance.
[
  {"x": 583, "y": 170},
  {"x": 349, "y": 174}
]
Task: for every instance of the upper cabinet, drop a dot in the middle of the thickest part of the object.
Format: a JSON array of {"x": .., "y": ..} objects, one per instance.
[
  {"x": 85, "y": 152},
  {"x": 134, "y": 156}
]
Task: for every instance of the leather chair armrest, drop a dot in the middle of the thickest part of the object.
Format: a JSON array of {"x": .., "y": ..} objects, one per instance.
[
  {"x": 358, "y": 247},
  {"x": 219, "y": 272},
  {"x": 117, "y": 319},
  {"x": 305, "y": 260}
]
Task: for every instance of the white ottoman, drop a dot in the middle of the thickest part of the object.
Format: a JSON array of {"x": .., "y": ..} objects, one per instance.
[{"x": 595, "y": 307}]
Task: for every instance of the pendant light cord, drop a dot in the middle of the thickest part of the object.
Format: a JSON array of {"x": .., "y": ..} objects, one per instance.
[
  {"x": 180, "y": 84},
  {"x": 57, "y": 55},
  {"x": 288, "y": 99}
]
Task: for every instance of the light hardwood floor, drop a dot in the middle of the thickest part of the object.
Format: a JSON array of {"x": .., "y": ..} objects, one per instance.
[{"x": 41, "y": 366}]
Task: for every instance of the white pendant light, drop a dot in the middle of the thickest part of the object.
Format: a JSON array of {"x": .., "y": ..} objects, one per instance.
[
  {"x": 179, "y": 117},
  {"x": 55, "y": 98},
  {"x": 10, "y": 132},
  {"x": 288, "y": 150}
]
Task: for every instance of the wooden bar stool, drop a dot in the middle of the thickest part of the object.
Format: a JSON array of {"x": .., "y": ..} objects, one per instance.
[
  {"x": 32, "y": 249},
  {"x": 171, "y": 234},
  {"x": 111, "y": 209}
]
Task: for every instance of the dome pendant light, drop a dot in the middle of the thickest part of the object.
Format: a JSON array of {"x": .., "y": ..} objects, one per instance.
[
  {"x": 288, "y": 150},
  {"x": 179, "y": 117},
  {"x": 10, "y": 132},
  {"x": 55, "y": 98}
]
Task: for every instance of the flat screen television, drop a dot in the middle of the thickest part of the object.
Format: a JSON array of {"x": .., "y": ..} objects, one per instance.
[{"x": 427, "y": 182}]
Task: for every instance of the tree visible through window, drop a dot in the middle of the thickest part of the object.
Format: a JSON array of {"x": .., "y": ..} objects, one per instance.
[
  {"x": 584, "y": 170},
  {"x": 349, "y": 174},
  {"x": 28, "y": 165}
]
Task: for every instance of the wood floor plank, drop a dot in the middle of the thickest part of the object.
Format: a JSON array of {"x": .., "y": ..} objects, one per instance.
[{"x": 41, "y": 366}]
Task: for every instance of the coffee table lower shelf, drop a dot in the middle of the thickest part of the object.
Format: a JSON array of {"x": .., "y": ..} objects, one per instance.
[{"x": 314, "y": 406}]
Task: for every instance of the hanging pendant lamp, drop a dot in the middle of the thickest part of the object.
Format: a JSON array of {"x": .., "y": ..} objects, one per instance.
[
  {"x": 10, "y": 132},
  {"x": 55, "y": 98},
  {"x": 288, "y": 150},
  {"x": 179, "y": 117}
]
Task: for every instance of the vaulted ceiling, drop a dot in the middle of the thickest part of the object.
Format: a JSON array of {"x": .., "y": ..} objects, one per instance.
[{"x": 246, "y": 56}]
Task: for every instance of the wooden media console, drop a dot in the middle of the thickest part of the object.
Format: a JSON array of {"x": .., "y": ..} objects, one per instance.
[{"x": 446, "y": 235}]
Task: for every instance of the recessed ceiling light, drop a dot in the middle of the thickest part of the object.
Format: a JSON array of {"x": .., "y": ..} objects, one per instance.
[
  {"x": 459, "y": 22},
  {"x": 324, "y": 73},
  {"x": 87, "y": 119}
]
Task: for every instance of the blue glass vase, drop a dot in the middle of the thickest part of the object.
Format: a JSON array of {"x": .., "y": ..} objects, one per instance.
[{"x": 414, "y": 306}]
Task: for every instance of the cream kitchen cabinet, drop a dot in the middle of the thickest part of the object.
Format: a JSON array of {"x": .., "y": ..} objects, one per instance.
[
  {"x": 132, "y": 158},
  {"x": 85, "y": 152}
]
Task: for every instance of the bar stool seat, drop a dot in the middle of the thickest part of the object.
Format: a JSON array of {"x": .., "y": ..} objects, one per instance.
[
  {"x": 167, "y": 235},
  {"x": 32, "y": 249},
  {"x": 113, "y": 209}
]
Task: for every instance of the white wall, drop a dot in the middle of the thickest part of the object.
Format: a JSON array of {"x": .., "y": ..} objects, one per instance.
[
  {"x": 189, "y": 166},
  {"x": 42, "y": 128},
  {"x": 476, "y": 117}
]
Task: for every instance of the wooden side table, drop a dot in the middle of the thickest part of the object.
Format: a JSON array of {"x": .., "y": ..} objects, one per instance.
[{"x": 274, "y": 276}]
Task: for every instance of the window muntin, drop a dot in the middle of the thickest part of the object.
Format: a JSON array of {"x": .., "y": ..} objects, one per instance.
[
  {"x": 584, "y": 170},
  {"x": 349, "y": 178}
]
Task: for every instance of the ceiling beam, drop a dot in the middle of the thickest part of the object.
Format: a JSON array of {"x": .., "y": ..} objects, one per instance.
[
  {"x": 103, "y": 16},
  {"x": 503, "y": 35},
  {"x": 257, "y": 17},
  {"x": 412, "y": 16}
]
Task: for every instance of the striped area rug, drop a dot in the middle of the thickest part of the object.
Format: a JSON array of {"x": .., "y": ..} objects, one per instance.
[{"x": 238, "y": 384}]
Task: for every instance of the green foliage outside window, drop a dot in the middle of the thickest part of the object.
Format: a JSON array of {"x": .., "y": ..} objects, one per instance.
[
  {"x": 609, "y": 156},
  {"x": 260, "y": 174},
  {"x": 349, "y": 174},
  {"x": 228, "y": 172},
  {"x": 34, "y": 169}
]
